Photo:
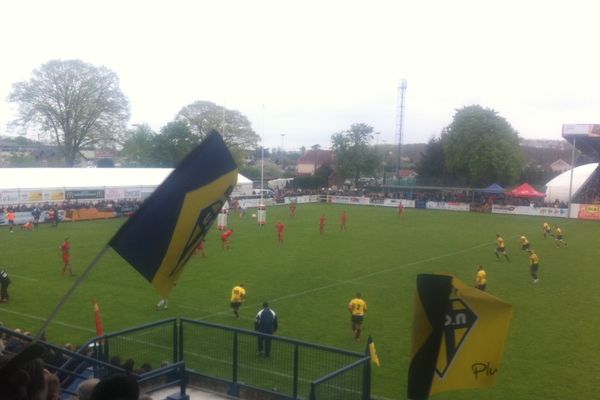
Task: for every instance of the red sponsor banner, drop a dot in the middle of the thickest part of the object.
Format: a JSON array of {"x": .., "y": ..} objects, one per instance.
[
  {"x": 589, "y": 211},
  {"x": 81, "y": 214}
]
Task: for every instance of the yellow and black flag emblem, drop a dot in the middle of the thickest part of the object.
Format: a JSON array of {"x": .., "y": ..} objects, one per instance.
[
  {"x": 458, "y": 337},
  {"x": 161, "y": 236}
]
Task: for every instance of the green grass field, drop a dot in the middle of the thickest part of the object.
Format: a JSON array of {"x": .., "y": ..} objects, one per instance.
[{"x": 552, "y": 351}]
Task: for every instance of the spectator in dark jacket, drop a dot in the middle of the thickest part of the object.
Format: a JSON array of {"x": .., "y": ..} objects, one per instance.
[{"x": 266, "y": 322}]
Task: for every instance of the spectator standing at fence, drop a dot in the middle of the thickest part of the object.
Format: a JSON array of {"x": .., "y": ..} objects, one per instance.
[
  {"x": 343, "y": 220},
  {"x": 357, "y": 308},
  {"x": 238, "y": 296},
  {"x": 4, "y": 282},
  {"x": 10, "y": 216},
  {"x": 546, "y": 229},
  {"x": 225, "y": 239},
  {"x": 36, "y": 213},
  {"x": 56, "y": 217},
  {"x": 266, "y": 322},
  {"x": 481, "y": 278},
  {"x": 51, "y": 216},
  {"x": 500, "y": 248},
  {"x": 65, "y": 248},
  {"x": 322, "y": 224},
  {"x": 558, "y": 237}
]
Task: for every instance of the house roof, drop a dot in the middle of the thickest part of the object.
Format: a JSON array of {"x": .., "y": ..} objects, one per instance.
[
  {"x": 403, "y": 173},
  {"x": 560, "y": 163},
  {"x": 319, "y": 156}
]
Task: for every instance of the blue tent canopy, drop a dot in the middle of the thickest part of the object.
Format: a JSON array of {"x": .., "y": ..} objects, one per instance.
[{"x": 494, "y": 188}]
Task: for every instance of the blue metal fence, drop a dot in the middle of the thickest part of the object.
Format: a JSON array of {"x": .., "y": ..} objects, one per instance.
[
  {"x": 167, "y": 353},
  {"x": 293, "y": 370}
]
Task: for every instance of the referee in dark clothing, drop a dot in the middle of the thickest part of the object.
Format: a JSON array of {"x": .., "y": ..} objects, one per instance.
[{"x": 266, "y": 322}]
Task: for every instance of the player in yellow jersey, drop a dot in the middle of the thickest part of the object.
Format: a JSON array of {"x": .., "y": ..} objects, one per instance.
[
  {"x": 481, "y": 278},
  {"x": 238, "y": 296},
  {"x": 546, "y": 229},
  {"x": 357, "y": 308},
  {"x": 500, "y": 248},
  {"x": 558, "y": 238},
  {"x": 524, "y": 243},
  {"x": 534, "y": 266}
]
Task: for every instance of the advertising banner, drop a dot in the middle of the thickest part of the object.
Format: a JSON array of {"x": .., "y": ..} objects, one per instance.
[
  {"x": 589, "y": 211},
  {"x": 396, "y": 202},
  {"x": 449, "y": 205},
  {"x": 88, "y": 194},
  {"x": 581, "y": 129},
  {"x": 525, "y": 210},
  {"x": 9, "y": 196},
  {"x": 121, "y": 193},
  {"x": 348, "y": 200}
]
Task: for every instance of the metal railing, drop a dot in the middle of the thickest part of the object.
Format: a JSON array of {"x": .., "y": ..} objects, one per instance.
[
  {"x": 231, "y": 355},
  {"x": 217, "y": 355}
]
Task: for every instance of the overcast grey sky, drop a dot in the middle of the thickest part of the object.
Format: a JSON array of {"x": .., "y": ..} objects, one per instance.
[{"x": 308, "y": 69}]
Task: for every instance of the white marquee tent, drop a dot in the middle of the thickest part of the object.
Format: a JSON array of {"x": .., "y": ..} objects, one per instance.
[
  {"x": 44, "y": 179},
  {"x": 558, "y": 188}
]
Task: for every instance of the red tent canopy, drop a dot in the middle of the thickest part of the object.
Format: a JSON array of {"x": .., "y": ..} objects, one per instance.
[{"x": 525, "y": 190}]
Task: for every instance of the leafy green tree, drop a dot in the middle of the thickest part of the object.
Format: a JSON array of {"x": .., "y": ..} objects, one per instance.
[
  {"x": 431, "y": 168},
  {"x": 204, "y": 116},
  {"x": 353, "y": 155},
  {"x": 138, "y": 148},
  {"x": 173, "y": 143},
  {"x": 270, "y": 170},
  {"x": 309, "y": 182},
  {"x": 146, "y": 148},
  {"x": 481, "y": 147},
  {"x": 78, "y": 104}
]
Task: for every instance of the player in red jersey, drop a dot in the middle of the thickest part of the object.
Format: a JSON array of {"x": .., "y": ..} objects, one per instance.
[
  {"x": 225, "y": 239},
  {"x": 322, "y": 224},
  {"x": 344, "y": 220},
  {"x": 280, "y": 229},
  {"x": 293, "y": 209},
  {"x": 65, "y": 248},
  {"x": 200, "y": 249},
  {"x": 400, "y": 210}
]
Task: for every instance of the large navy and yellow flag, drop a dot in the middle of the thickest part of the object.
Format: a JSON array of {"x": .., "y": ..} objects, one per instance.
[
  {"x": 160, "y": 238},
  {"x": 458, "y": 337}
]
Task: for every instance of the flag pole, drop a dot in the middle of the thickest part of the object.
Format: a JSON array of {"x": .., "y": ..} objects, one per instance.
[{"x": 70, "y": 292}]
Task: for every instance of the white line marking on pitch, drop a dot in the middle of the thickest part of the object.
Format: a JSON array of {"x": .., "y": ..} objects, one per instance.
[
  {"x": 344, "y": 282},
  {"x": 43, "y": 319},
  {"x": 25, "y": 278}
]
